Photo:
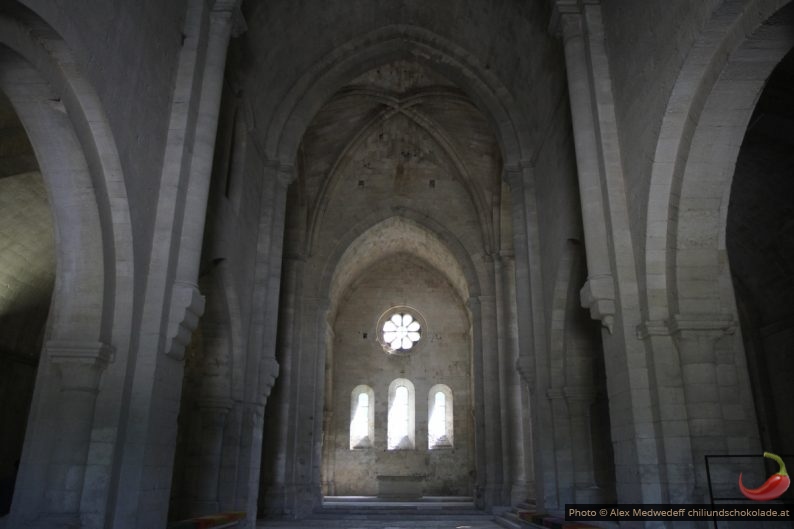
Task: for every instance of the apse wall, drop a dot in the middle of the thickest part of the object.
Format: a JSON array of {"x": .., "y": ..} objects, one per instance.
[{"x": 441, "y": 356}]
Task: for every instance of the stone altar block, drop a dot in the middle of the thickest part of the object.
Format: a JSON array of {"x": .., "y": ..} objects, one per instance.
[{"x": 404, "y": 487}]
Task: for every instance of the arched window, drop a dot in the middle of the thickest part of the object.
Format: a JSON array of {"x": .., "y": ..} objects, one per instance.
[
  {"x": 401, "y": 435},
  {"x": 362, "y": 417},
  {"x": 440, "y": 431}
]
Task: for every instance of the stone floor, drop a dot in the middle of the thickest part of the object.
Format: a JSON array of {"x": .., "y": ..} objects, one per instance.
[
  {"x": 361, "y": 512},
  {"x": 451, "y": 522}
]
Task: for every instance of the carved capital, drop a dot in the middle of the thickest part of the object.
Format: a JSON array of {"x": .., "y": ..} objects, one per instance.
[
  {"x": 228, "y": 12},
  {"x": 283, "y": 173},
  {"x": 91, "y": 353},
  {"x": 80, "y": 363},
  {"x": 564, "y": 13},
  {"x": 187, "y": 306},
  {"x": 598, "y": 295}
]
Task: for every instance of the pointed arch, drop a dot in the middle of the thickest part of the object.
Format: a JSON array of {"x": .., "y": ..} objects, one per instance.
[
  {"x": 295, "y": 111},
  {"x": 439, "y": 247},
  {"x": 707, "y": 114},
  {"x": 401, "y": 425},
  {"x": 440, "y": 417}
]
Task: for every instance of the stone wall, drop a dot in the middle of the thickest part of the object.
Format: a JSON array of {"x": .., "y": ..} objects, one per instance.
[
  {"x": 647, "y": 43},
  {"x": 129, "y": 52},
  {"x": 442, "y": 356}
]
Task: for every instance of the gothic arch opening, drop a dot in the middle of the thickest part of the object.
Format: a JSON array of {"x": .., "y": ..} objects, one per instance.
[
  {"x": 397, "y": 202},
  {"x": 27, "y": 275},
  {"x": 760, "y": 246},
  {"x": 692, "y": 300},
  {"x": 84, "y": 288},
  {"x": 398, "y": 278}
]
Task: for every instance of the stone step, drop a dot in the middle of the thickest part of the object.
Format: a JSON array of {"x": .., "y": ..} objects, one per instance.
[
  {"x": 377, "y": 499},
  {"x": 379, "y": 521},
  {"x": 397, "y": 513},
  {"x": 504, "y": 521},
  {"x": 353, "y": 505}
]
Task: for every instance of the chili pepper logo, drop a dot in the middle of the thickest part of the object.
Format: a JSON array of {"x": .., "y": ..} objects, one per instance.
[{"x": 776, "y": 485}]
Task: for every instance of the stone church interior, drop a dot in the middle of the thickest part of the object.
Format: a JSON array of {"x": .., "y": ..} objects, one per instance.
[{"x": 263, "y": 256}]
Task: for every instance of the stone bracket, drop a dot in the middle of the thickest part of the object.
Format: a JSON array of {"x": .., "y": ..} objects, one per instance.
[
  {"x": 598, "y": 295},
  {"x": 268, "y": 373},
  {"x": 187, "y": 306},
  {"x": 526, "y": 369}
]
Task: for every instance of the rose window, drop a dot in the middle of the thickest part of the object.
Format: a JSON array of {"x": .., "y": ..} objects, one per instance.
[{"x": 401, "y": 331}]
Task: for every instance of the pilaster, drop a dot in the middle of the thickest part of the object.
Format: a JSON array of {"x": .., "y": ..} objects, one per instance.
[
  {"x": 696, "y": 336},
  {"x": 598, "y": 294},
  {"x": 80, "y": 366}
]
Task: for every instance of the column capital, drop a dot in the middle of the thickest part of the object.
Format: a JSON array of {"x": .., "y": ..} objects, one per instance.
[
  {"x": 514, "y": 174},
  {"x": 284, "y": 173},
  {"x": 95, "y": 354},
  {"x": 700, "y": 326},
  {"x": 227, "y": 22},
  {"x": 562, "y": 9},
  {"x": 80, "y": 363},
  {"x": 473, "y": 303},
  {"x": 650, "y": 328},
  {"x": 228, "y": 11}
]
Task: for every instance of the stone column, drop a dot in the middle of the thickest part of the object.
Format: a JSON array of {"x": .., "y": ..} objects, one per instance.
[
  {"x": 279, "y": 485},
  {"x": 317, "y": 380},
  {"x": 598, "y": 293},
  {"x": 494, "y": 487},
  {"x": 224, "y": 18},
  {"x": 80, "y": 365},
  {"x": 250, "y": 458},
  {"x": 580, "y": 401},
  {"x": 213, "y": 414},
  {"x": 559, "y": 472},
  {"x": 515, "y": 179},
  {"x": 512, "y": 440},
  {"x": 480, "y": 444},
  {"x": 282, "y": 175},
  {"x": 249, "y": 462},
  {"x": 696, "y": 337},
  {"x": 531, "y": 356}
]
